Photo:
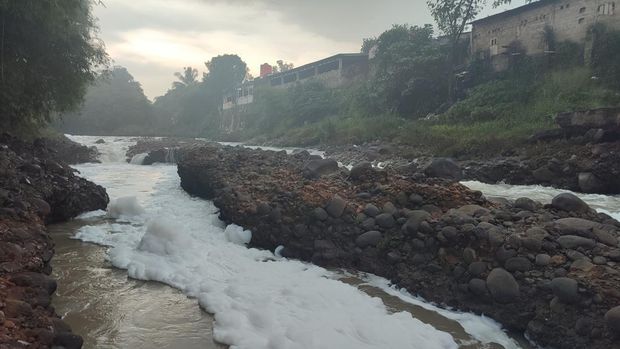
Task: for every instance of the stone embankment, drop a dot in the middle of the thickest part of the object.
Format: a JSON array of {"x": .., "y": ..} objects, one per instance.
[
  {"x": 35, "y": 188},
  {"x": 551, "y": 271},
  {"x": 161, "y": 150}
]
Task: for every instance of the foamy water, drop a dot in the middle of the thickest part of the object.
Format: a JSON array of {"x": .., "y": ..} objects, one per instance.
[
  {"x": 609, "y": 204},
  {"x": 155, "y": 231}
]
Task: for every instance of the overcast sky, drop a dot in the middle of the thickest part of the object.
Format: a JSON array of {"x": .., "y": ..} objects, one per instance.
[{"x": 155, "y": 38}]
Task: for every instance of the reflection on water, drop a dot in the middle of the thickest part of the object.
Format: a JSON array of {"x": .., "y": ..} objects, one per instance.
[{"x": 112, "y": 311}]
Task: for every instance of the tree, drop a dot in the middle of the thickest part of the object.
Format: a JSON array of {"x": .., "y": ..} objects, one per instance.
[
  {"x": 49, "y": 53},
  {"x": 452, "y": 17},
  {"x": 189, "y": 77},
  {"x": 114, "y": 105},
  {"x": 225, "y": 72},
  {"x": 408, "y": 72},
  {"x": 282, "y": 66}
]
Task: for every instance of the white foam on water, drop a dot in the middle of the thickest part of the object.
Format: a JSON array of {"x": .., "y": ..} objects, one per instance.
[
  {"x": 125, "y": 207},
  {"x": 609, "y": 204},
  {"x": 258, "y": 299},
  {"x": 482, "y": 328},
  {"x": 138, "y": 159}
]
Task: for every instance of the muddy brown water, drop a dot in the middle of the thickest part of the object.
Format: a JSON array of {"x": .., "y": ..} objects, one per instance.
[{"x": 110, "y": 310}]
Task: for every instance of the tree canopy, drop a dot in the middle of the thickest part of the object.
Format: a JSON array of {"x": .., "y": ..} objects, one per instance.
[
  {"x": 49, "y": 53},
  {"x": 114, "y": 104}
]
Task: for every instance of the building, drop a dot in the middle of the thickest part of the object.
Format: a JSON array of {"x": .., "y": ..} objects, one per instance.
[
  {"x": 528, "y": 27},
  {"x": 335, "y": 71}
]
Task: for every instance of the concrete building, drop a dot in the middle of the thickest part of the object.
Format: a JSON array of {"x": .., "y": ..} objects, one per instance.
[
  {"x": 335, "y": 71},
  {"x": 527, "y": 27}
]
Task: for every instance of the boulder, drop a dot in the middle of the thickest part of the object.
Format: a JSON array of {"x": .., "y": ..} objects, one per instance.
[
  {"x": 576, "y": 226},
  {"x": 521, "y": 264},
  {"x": 569, "y": 202},
  {"x": 415, "y": 219},
  {"x": 574, "y": 241},
  {"x": 589, "y": 183},
  {"x": 566, "y": 289},
  {"x": 371, "y": 210},
  {"x": 319, "y": 167},
  {"x": 612, "y": 319},
  {"x": 444, "y": 168},
  {"x": 359, "y": 170},
  {"x": 336, "y": 206},
  {"x": 526, "y": 204},
  {"x": 367, "y": 239},
  {"x": 502, "y": 286},
  {"x": 385, "y": 220}
]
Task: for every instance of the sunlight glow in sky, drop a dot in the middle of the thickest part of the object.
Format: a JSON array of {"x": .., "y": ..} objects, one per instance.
[{"x": 156, "y": 38}]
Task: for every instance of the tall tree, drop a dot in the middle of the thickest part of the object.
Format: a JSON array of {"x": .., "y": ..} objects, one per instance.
[
  {"x": 49, "y": 53},
  {"x": 114, "y": 105},
  {"x": 452, "y": 17},
  {"x": 225, "y": 72},
  {"x": 282, "y": 66},
  {"x": 188, "y": 77}
]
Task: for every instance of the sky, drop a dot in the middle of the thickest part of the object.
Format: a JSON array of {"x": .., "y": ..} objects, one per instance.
[{"x": 154, "y": 39}]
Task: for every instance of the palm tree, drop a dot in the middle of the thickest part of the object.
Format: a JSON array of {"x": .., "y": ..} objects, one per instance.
[{"x": 186, "y": 79}]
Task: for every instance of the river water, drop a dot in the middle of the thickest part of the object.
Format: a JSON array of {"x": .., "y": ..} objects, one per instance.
[{"x": 138, "y": 275}]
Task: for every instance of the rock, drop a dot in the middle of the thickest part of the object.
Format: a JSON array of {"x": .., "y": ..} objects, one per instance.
[
  {"x": 526, "y": 204},
  {"x": 583, "y": 326},
  {"x": 469, "y": 255},
  {"x": 606, "y": 237},
  {"x": 574, "y": 241},
  {"x": 68, "y": 340},
  {"x": 367, "y": 239},
  {"x": 444, "y": 168},
  {"x": 566, "y": 289},
  {"x": 543, "y": 174},
  {"x": 477, "y": 268},
  {"x": 478, "y": 287},
  {"x": 415, "y": 220},
  {"x": 394, "y": 257},
  {"x": 263, "y": 208},
  {"x": 612, "y": 319},
  {"x": 320, "y": 167},
  {"x": 389, "y": 207},
  {"x": 320, "y": 214},
  {"x": 359, "y": 170},
  {"x": 100, "y": 141},
  {"x": 582, "y": 264},
  {"x": 371, "y": 210},
  {"x": 521, "y": 264},
  {"x": 589, "y": 183},
  {"x": 416, "y": 199},
  {"x": 502, "y": 286},
  {"x": 570, "y": 203},
  {"x": 473, "y": 210},
  {"x": 599, "y": 260},
  {"x": 336, "y": 206},
  {"x": 42, "y": 207},
  {"x": 385, "y": 220},
  {"x": 576, "y": 226},
  {"x": 543, "y": 260}
]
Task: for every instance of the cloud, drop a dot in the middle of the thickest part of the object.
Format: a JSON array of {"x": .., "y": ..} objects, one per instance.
[{"x": 155, "y": 38}]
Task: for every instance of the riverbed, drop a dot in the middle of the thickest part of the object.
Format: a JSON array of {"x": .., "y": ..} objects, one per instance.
[{"x": 112, "y": 267}]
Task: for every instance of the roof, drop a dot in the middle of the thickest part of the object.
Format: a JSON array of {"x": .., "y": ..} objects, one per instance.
[
  {"x": 319, "y": 62},
  {"x": 515, "y": 11}
]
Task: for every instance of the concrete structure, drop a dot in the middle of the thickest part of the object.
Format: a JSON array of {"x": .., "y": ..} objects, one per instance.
[
  {"x": 335, "y": 71},
  {"x": 497, "y": 37}
]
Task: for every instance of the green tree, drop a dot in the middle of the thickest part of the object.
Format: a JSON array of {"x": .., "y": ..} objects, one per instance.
[
  {"x": 49, "y": 53},
  {"x": 225, "y": 72},
  {"x": 408, "y": 72},
  {"x": 114, "y": 105},
  {"x": 189, "y": 77}
]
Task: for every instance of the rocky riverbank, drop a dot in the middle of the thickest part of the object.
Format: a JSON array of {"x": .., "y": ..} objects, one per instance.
[
  {"x": 35, "y": 188},
  {"x": 551, "y": 272}
]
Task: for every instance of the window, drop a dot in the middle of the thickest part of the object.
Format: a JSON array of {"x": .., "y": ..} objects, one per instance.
[
  {"x": 562, "y": 7},
  {"x": 493, "y": 41},
  {"x": 289, "y": 78},
  {"x": 581, "y": 20},
  {"x": 582, "y": 10},
  {"x": 567, "y": 5}
]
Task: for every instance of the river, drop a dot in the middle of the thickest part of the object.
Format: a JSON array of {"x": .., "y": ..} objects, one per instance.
[{"x": 138, "y": 276}]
